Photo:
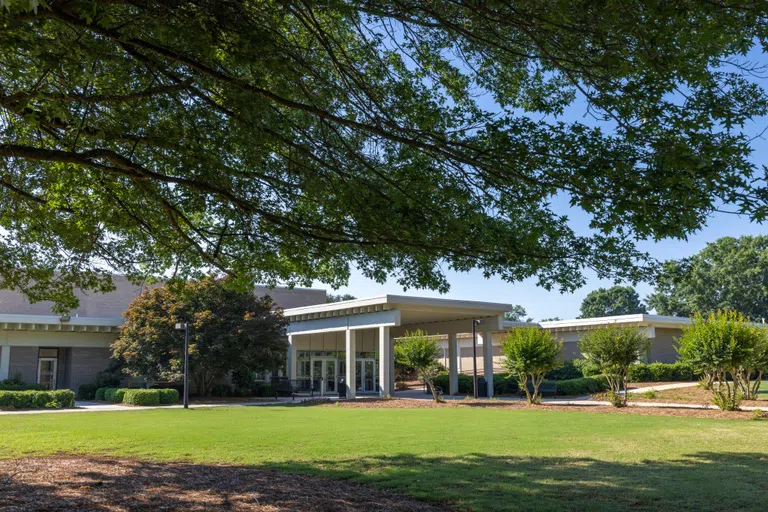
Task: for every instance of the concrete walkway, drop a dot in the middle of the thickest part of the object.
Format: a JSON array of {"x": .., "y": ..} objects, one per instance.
[
  {"x": 107, "y": 407},
  {"x": 662, "y": 387}
]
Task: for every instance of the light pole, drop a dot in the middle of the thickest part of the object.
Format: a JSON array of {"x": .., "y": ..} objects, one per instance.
[
  {"x": 185, "y": 326},
  {"x": 474, "y": 355}
]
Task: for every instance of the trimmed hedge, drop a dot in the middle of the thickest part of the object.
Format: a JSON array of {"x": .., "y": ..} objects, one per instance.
[
  {"x": 14, "y": 385},
  {"x": 587, "y": 367},
  {"x": 661, "y": 372},
  {"x": 88, "y": 391},
  {"x": 568, "y": 371},
  {"x": 62, "y": 398},
  {"x": 168, "y": 396},
  {"x": 114, "y": 395},
  {"x": 466, "y": 384},
  {"x": 582, "y": 386},
  {"x": 142, "y": 397},
  {"x": 505, "y": 385}
]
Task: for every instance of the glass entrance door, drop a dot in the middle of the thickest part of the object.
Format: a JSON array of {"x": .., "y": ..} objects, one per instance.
[
  {"x": 366, "y": 378},
  {"x": 324, "y": 376},
  {"x": 330, "y": 376},
  {"x": 46, "y": 372}
]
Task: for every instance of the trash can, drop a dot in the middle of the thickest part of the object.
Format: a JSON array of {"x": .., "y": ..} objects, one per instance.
[
  {"x": 342, "y": 388},
  {"x": 482, "y": 387}
]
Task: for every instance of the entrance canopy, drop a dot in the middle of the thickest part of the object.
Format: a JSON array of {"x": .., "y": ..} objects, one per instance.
[
  {"x": 399, "y": 312},
  {"x": 360, "y": 330}
]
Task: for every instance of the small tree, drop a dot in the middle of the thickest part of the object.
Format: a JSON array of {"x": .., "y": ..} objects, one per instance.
[
  {"x": 419, "y": 351},
  {"x": 530, "y": 352},
  {"x": 725, "y": 344},
  {"x": 613, "y": 349}
]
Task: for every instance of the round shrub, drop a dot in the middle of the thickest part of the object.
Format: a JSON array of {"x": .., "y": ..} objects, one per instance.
[
  {"x": 141, "y": 397},
  {"x": 114, "y": 395},
  {"x": 168, "y": 396},
  {"x": 100, "y": 394}
]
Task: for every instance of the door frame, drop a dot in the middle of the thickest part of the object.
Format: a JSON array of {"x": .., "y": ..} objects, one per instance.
[
  {"x": 362, "y": 374},
  {"x": 55, "y": 369},
  {"x": 323, "y": 371}
]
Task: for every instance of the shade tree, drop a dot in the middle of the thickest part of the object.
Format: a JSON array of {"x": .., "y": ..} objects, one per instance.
[{"x": 288, "y": 142}]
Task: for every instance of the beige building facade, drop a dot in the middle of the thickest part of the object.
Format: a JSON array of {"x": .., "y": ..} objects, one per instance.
[{"x": 37, "y": 346}]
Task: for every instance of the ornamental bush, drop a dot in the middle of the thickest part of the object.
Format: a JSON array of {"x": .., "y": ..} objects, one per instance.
[
  {"x": 88, "y": 391},
  {"x": 614, "y": 349},
  {"x": 142, "y": 397},
  {"x": 530, "y": 352},
  {"x": 31, "y": 399},
  {"x": 728, "y": 350},
  {"x": 168, "y": 396}
]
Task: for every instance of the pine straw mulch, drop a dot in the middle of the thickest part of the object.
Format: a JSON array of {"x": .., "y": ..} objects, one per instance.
[
  {"x": 102, "y": 484},
  {"x": 409, "y": 403},
  {"x": 694, "y": 395}
]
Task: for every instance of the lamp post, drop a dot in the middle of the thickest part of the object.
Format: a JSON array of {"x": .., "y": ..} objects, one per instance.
[
  {"x": 474, "y": 355},
  {"x": 185, "y": 326}
]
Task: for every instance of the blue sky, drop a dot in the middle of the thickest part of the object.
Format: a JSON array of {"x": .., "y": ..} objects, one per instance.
[{"x": 540, "y": 303}]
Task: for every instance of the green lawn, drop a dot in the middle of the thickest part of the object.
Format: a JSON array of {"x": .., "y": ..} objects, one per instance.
[{"x": 486, "y": 459}]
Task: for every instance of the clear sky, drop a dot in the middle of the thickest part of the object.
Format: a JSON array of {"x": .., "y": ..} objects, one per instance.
[{"x": 538, "y": 302}]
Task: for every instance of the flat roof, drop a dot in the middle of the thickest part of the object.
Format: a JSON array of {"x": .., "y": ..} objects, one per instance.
[
  {"x": 638, "y": 319},
  {"x": 9, "y": 321},
  {"x": 392, "y": 301}
]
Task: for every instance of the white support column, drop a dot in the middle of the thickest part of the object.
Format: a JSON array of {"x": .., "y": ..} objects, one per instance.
[
  {"x": 384, "y": 361},
  {"x": 488, "y": 360},
  {"x": 5, "y": 361},
  {"x": 351, "y": 351},
  {"x": 291, "y": 357},
  {"x": 453, "y": 364},
  {"x": 392, "y": 366}
]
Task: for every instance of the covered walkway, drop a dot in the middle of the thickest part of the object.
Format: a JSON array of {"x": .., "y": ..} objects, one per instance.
[{"x": 354, "y": 340}]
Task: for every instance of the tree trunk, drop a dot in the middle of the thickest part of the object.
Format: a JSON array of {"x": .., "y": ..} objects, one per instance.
[
  {"x": 431, "y": 384},
  {"x": 536, "y": 381}
]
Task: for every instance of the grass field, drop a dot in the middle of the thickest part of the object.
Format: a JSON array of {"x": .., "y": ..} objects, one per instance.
[{"x": 482, "y": 459}]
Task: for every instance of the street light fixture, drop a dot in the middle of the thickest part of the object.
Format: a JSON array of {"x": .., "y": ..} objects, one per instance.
[{"x": 185, "y": 326}]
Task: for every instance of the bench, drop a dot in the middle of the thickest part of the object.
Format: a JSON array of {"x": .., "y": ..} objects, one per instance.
[
  {"x": 544, "y": 388},
  {"x": 286, "y": 386}
]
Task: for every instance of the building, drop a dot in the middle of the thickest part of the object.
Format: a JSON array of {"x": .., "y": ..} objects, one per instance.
[
  {"x": 330, "y": 344},
  {"x": 68, "y": 351}
]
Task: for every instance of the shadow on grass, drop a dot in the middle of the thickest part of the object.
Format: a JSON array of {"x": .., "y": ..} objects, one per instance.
[{"x": 702, "y": 481}]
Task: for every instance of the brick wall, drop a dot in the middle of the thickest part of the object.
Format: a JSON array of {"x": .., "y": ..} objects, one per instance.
[
  {"x": 85, "y": 364},
  {"x": 23, "y": 362}
]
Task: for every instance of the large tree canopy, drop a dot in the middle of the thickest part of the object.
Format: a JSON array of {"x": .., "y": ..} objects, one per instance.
[
  {"x": 728, "y": 274},
  {"x": 229, "y": 332},
  {"x": 282, "y": 141},
  {"x": 617, "y": 300}
]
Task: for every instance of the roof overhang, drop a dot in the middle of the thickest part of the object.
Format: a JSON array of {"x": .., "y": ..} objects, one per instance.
[
  {"x": 436, "y": 316},
  {"x": 13, "y": 322},
  {"x": 640, "y": 320}
]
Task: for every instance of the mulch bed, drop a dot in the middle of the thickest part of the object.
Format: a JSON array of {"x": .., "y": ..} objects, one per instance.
[
  {"x": 101, "y": 484},
  {"x": 407, "y": 403},
  {"x": 694, "y": 395}
]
